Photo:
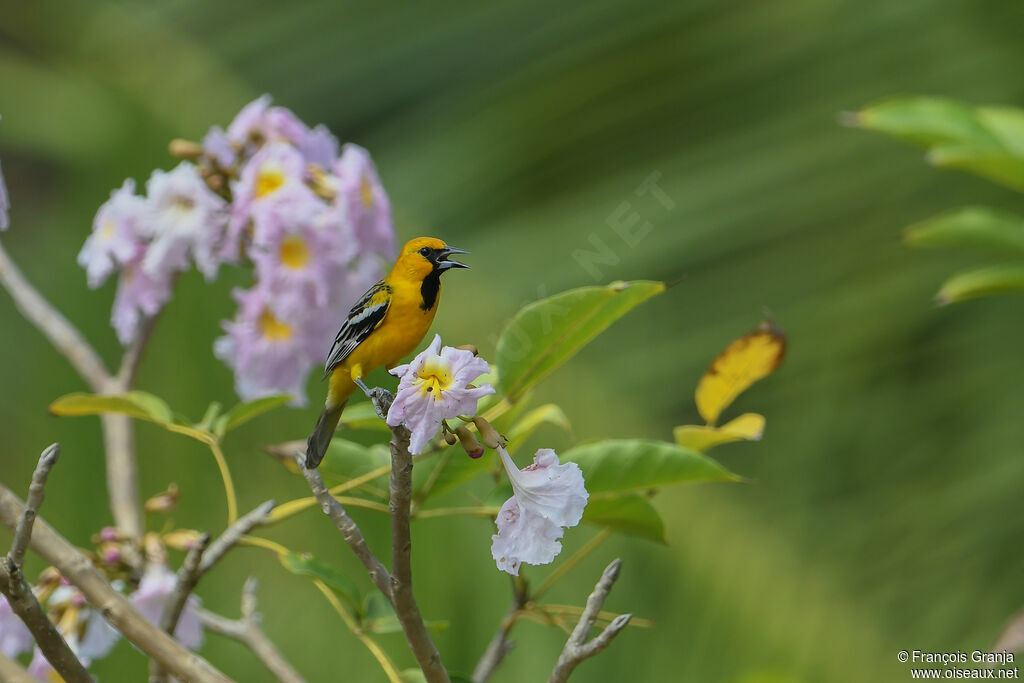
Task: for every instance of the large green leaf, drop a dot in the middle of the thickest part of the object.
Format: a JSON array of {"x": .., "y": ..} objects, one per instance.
[
  {"x": 346, "y": 460},
  {"x": 138, "y": 404},
  {"x": 986, "y": 141},
  {"x": 926, "y": 121},
  {"x": 529, "y": 423},
  {"x": 630, "y": 513},
  {"x": 379, "y": 617},
  {"x": 634, "y": 464},
  {"x": 362, "y": 415},
  {"x": 447, "y": 470},
  {"x": 997, "y": 165},
  {"x": 976, "y": 227},
  {"x": 243, "y": 412},
  {"x": 306, "y": 565},
  {"x": 546, "y": 333},
  {"x": 971, "y": 284}
]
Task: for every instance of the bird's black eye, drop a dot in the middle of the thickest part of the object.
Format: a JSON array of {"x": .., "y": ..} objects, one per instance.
[{"x": 425, "y": 252}]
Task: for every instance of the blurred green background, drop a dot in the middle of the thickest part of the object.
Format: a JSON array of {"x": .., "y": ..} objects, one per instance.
[{"x": 882, "y": 510}]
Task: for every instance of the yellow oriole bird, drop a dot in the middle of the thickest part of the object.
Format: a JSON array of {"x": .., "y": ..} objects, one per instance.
[{"x": 386, "y": 324}]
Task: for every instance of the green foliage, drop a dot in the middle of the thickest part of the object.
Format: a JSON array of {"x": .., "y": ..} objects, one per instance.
[
  {"x": 306, "y": 565},
  {"x": 137, "y": 404},
  {"x": 243, "y": 412},
  {"x": 546, "y": 333},
  {"x": 631, "y": 513},
  {"x": 617, "y": 466},
  {"x": 986, "y": 141}
]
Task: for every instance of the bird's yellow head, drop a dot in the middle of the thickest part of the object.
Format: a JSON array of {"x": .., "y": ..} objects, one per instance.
[{"x": 425, "y": 256}]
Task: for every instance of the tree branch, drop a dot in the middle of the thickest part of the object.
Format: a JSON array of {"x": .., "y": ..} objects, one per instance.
[
  {"x": 346, "y": 525},
  {"x": 227, "y": 540},
  {"x": 577, "y": 648},
  {"x": 114, "y": 607},
  {"x": 248, "y": 632},
  {"x": 122, "y": 480},
  {"x": 401, "y": 561},
  {"x": 500, "y": 644},
  {"x": 19, "y": 594},
  {"x": 64, "y": 336}
]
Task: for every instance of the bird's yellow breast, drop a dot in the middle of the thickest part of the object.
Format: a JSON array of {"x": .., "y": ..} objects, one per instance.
[{"x": 397, "y": 336}]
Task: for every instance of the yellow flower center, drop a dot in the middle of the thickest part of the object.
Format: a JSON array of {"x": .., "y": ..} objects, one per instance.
[
  {"x": 366, "y": 192},
  {"x": 294, "y": 253},
  {"x": 107, "y": 231},
  {"x": 272, "y": 328},
  {"x": 434, "y": 378},
  {"x": 268, "y": 180}
]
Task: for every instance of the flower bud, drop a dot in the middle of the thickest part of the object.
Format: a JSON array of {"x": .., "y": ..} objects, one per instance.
[
  {"x": 111, "y": 554},
  {"x": 108, "y": 534},
  {"x": 181, "y": 539},
  {"x": 469, "y": 442},
  {"x": 469, "y": 347},
  {"x": 163, "y": 502},
  {"x": 185, "y": 149},
  {"x": 488, "y": 434},
  {"x": 450, "y": 438}
]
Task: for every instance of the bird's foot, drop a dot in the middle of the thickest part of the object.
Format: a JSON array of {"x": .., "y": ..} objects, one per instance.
[{"x": 382, "y": 400}]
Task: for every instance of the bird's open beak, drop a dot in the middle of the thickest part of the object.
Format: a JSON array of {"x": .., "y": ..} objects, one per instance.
[{"x": 445, "y": 263}]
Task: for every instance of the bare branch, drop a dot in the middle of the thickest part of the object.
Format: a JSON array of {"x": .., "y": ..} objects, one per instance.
[
  {"x": 36, "y": 493},
  {"x": 401, "y": 561},
  {"x": 227, "y": 540},
  {"x": 133, "y": 354},
  {"x": 187, "y": 578},
  {"x": 577, "y": 648},
  {"x": 19, "y": 594},
  {"x": 114, "y": 607},
  {"x": 500, "y": 644},
  {"x": 346, "y": 525},
  {"x": 64, "y": 336},
  {"x": 11, "y": 672},
  {"x": 248, "y": 632}
]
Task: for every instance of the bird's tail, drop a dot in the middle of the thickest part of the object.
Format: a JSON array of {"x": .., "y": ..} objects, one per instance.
[{"x": 320, "y": 439}]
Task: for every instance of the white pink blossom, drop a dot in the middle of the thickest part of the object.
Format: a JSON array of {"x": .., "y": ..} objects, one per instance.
[
  {"x": 362, "y": 198},
  {"x": 115, "y": 238},
  {"x": 183, "y": 218},
  {"x": 15, "y": 638},
  {"x": 151, "y": 599},
  {"x": 547, "y": 496},
  {"x": 139, "y": 295},
  {"x": 436, "y": 386}
]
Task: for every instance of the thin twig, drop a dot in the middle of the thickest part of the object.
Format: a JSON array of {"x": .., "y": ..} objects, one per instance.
[
  {"x": 122, "y": 471},
  {"x": 247, "y": 631},
  {"x": 401, "y": 561},
  {"x": 114, "y": 607},
  {"x": 227, "y": 540},
  {"x": 34, "y": 499},
  {"x": 500, "y": 644},
  {"x": 133, "y": 354},
  {"x": 19, "y": 594},
  {"x": 577, "y": 648},
  {"x": 187, "y": 578},
  {"x": 11, "y": 672},
  {"x": 346, "y": 525}
]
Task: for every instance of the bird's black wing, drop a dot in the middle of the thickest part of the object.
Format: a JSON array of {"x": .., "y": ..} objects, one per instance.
[{"x": 363, "y": 319}]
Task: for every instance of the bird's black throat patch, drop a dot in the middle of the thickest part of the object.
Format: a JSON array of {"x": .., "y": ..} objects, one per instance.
[{"x": 429, "y": 289}]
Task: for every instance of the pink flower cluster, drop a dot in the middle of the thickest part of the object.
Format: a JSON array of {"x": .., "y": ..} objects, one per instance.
[
  {"x": 83, "y": 627},
  {"x": 310, "y": 215}
]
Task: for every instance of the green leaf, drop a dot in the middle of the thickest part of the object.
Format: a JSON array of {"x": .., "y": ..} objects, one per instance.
[
  {"x": 346, "y": 460},
  {"x": 362, "y": 416},
  {"x": 379, "y": 617},
  {"x": 633, "y": 464},
  {"x": 975, "y": 227},
  {"x": 243, "y": 412},
  {"x": 926, "y": 121},
  {"x": 631, "y": 514},
  {"x": 1007, "y": 124},
  {"x": 546, "y": 333},
  {"x": 306, "y": 565},
  {"x": 996, "y": 165},
  {"x": 1001, "y": 279},
  {"x": 448, "y": 469},
  {"x": 137, "y": 404},
  {"x": 413, "y": 676},
  {"x": 209, "y": 417},
  {"x": 529, "y": 423}
]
